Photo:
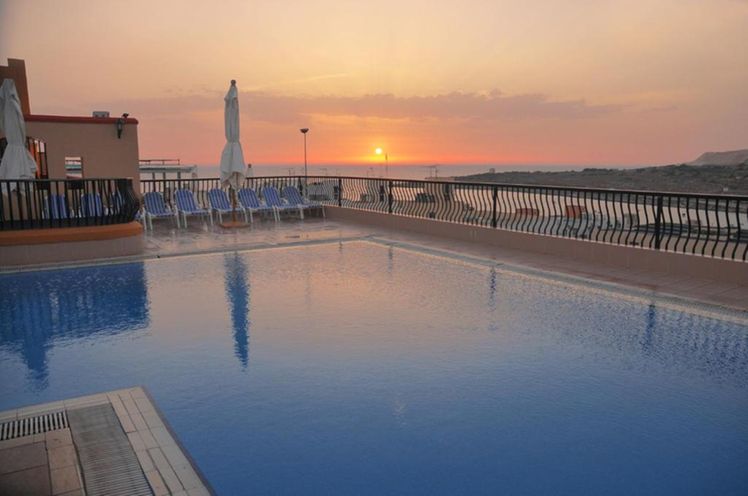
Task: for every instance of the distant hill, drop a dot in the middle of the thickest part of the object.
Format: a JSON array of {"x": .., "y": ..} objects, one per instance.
[
  {"x": 685, "y": 178},
  {"x": 735, "y": 157}
]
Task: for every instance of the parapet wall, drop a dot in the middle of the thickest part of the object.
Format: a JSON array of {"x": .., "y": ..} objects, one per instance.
[
  {"x": 615, "y": 256},
  {"x": 70, "y": 244}
]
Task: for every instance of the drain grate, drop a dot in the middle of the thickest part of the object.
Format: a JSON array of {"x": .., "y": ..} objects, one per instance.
[
  {"x": 37, "y": 424},
  {"x": 108, "y": 462}
]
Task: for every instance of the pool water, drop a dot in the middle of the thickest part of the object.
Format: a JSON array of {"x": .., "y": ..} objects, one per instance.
[{"x": 359, "y": 368}]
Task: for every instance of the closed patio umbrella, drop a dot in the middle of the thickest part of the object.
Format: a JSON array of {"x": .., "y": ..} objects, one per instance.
[
  {"x": 17, "y": 162},
  {"x": 232, "y": 158}
]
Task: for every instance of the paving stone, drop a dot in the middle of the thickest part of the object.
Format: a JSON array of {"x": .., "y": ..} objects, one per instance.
[
  {"x": 157, "y": 483},
  {"x": 162, "y": 436},
  {"x": 55, "y": 439},
  {"x": 145, "y": 461},
  {"x": 167, "y": 473},
  {"x": 138, "y": 421},
  {"x": 64, "y": 480},
  {"x": 136, "y": 441},
  {"x": 31, "y": 482},
  {"x": 64, "y": 456},
  {"x": 153, "y": 420},
  {"x": 22, "y": 457},
  {"x": 148, "y": 439},
  {"x": 19, "y": 441}
]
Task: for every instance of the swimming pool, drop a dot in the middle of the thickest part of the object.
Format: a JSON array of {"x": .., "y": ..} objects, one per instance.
[{"x": 361, "y": 368}]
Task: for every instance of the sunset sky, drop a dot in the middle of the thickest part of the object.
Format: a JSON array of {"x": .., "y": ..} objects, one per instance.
[{"x": 606, "y": 82}]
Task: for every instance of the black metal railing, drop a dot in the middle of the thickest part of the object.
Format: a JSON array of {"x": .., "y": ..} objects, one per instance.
[
  {"x": 58, "y": 203},
  {"x": 709, "y": 225}
]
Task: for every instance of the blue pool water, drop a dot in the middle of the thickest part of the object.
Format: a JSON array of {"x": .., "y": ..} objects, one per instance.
[{"x": 358, "y": 368}]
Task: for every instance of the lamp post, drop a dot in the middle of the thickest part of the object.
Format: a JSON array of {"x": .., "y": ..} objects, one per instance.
[{"x": 304, "y": 130}]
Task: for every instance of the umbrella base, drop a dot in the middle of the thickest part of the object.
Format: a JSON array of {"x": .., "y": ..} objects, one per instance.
[{"x": 233, "y": 224}]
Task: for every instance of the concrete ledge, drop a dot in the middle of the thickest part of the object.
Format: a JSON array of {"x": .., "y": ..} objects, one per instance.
[
  {"x": 614, "y": 256},
  {"x": 43, "y": 246}
]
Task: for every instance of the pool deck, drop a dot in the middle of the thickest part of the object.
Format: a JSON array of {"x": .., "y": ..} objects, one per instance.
[
  {"x": 49, "y": 463},
  {"x": 165, "y": 241},
  {"x": 199, "y": 238}
]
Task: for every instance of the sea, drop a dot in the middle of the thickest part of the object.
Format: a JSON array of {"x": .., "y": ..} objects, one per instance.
[{"x": 393, "y": 171}]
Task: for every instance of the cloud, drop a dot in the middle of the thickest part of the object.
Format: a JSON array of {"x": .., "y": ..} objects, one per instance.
[{"x": 274, "y": 108}]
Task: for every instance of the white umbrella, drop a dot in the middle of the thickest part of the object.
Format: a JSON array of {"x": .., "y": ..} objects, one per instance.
[
  {"x": 17, "y": 162},
  {"x": 233, "y": 168}
]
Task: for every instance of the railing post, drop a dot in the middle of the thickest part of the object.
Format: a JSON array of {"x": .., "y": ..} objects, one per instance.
[
  {"x": 340, "y": 191},
  {"x": 493, "y": 209},
  {"x": 389, "y": 196},
  {"x": 658, "y": 223}
]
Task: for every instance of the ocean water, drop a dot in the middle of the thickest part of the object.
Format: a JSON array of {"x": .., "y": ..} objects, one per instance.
[
  {"x": 395, "y": 171},
  {"x": 359, "y": 368}
]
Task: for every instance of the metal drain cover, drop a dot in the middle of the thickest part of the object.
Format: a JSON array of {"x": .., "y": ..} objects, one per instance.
[
  {"x": 108, "y": 462},
  {"x": 38, "y": 424}
]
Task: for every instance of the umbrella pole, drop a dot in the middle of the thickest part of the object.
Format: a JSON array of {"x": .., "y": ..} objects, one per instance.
[
  {"x": 233, "y": 223},
  {"x": 233, "y": 205}
]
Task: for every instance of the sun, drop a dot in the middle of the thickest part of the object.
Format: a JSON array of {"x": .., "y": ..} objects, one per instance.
[{"x": 378, "y": 151}]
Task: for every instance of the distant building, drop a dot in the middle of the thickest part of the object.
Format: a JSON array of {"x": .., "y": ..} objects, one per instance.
[{"x": 100, "y": 146}]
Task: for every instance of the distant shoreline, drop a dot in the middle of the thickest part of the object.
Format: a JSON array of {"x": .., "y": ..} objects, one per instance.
[{"x": 712, "y": 179}]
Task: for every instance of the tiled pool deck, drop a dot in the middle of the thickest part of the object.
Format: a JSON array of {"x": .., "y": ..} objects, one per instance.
[
  {"x": 166, "y": 241},
  {"x": 48, "y": 463}
]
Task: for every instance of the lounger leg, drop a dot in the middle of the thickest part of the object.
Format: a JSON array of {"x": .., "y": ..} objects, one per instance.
[
  {"x": 184, "y": 217},
  {"x": 301, "y": 213}
]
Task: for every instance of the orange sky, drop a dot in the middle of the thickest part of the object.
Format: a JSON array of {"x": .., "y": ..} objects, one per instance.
[{"x": 476, "y": 81}]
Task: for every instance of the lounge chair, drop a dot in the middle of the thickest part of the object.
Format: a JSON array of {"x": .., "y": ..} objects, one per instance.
[
  {"x": 57, "y": 207},
  {"x": 187, "y": 205},
  {"x": 154, "y": 207},
  {"x": 91, "y": 205},
  {"x": 294, "y": 198},
  {"x": 251, "y": 204},
  {"x": 273, "y": 199},
  {"x": 219, "y": 203}
]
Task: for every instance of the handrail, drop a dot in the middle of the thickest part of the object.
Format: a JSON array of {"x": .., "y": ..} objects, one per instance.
[
  {"x": 60, "y": 203},
  {"x": 689, "y": 223}
]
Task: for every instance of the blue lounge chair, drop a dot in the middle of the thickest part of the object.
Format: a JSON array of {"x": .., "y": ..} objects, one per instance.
[
  {"x": 219, "y": 203},
  {"x": 154, "y": 207},
  {"x": 273, "y": 199},
  {"x": 294, "y": 198},
  {"x": 91, "y": 205},
  {"x": 251, "y": 204},
  {"x": 57, "y": 207},
  {"x": 187, "y": 205}
]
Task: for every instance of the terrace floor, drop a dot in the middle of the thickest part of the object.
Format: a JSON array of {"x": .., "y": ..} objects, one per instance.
[
  {"x": 83, "y": 459},
  {"x": 166, "y": 241}
]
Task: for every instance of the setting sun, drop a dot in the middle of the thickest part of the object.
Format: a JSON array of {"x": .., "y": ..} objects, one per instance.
[{"x": 378, "y": 151}]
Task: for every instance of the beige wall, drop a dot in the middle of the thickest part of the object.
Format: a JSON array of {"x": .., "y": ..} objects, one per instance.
[{"x": 104, "y": 155}]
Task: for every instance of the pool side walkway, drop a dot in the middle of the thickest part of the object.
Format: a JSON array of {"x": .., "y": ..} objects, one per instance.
[
  {"x": 59, "y": 453},
  {"x": 167, "y": 241}
]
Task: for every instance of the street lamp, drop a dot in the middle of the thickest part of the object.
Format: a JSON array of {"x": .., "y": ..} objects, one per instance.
[
  {"x": 379, "y": 151},
  {"x": 304, "y": 130}
]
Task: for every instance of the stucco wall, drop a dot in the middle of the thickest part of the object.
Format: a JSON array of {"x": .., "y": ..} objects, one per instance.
[{"x": 95, "y": 140}]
